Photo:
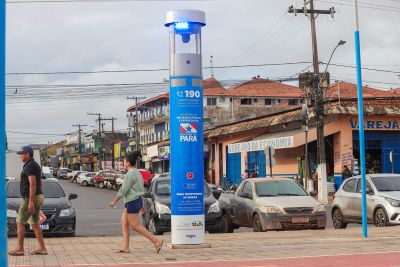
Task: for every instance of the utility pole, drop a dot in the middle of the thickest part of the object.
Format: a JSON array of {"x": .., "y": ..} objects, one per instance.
[
  {"x": 99, "y": 133},
  {"x": 80, "y": 142},
  {"x": 98, "y": 119},
  {"x": 137, "y": 134},
  {"x": 112, "y": 119},
  {"x": 311, "y": 13}
]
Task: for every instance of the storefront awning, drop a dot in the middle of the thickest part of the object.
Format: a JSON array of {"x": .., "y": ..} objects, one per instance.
[{"x": 279, "y": 140}]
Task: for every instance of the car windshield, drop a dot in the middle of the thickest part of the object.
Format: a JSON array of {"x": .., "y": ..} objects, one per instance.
[
  {"x": 163, "y": 188},
  {"x": 279, "y": 188},
  {"x": 387, "y": 183},
  {"x": 50, "y": 190}
]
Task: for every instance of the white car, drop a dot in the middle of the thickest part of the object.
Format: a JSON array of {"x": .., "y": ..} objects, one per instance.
[
  {"x": 86, "y": 178},
  {"x": 383, "y": 201}
]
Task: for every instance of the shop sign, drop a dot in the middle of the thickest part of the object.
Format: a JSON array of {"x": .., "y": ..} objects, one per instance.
[
  {"x": 163, "y": 153},
  {"x": 117, "y": 150},
  {"x": 377, "y": 124},
  {"x": 260, "y": 145},
  {"x": 152, "y": 151}
]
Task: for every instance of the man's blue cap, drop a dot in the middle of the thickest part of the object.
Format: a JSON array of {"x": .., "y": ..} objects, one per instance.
[{"x": 25, "y": 149}]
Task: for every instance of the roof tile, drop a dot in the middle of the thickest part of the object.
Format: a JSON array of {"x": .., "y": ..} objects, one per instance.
[
  {"x": 349, "y": 90},
  {"x": 259, "y": 87}
]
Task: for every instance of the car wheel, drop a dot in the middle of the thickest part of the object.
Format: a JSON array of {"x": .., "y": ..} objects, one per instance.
[
  {"x": 338, "y": 220},
  {"x": 380, "y": 218},
  {"x": 84, "y": 183},
  {"x": 101, "y": 185},
  {"x": 153, "y": 228},
  {"x": 227, "y": 226},
  {"x": 257, "y": 224}
]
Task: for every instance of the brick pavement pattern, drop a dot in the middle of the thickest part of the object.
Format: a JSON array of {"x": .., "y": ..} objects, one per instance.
[{"x": 292, "y": 248}]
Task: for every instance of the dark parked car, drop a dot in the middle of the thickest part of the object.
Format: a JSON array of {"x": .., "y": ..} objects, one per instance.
[
  {"x": 62, "y": 173},
  {"x": 157, "y": 206},
  {"x": 61, "y": 216}
]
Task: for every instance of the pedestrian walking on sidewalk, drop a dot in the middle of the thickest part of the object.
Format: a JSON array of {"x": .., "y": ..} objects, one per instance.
[
  {"x": 131, "y": 191},
  {"x": 32, "y": 200}
]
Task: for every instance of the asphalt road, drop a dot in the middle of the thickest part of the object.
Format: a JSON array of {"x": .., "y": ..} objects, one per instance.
[{"x": 96, "y": 218}]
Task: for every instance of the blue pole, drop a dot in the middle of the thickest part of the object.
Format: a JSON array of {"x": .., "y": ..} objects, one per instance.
[
  {"x": 361, "y": 126},
  {"x": 3, "y": 205}
]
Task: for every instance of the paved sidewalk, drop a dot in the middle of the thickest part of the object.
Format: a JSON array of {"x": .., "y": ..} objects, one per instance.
[{"x": 294, "y": 248}]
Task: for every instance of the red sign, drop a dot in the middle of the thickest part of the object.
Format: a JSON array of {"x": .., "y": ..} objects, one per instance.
[{"x": 189, "y": 175}]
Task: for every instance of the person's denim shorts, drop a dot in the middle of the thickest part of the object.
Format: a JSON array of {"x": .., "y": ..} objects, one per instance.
[{"x": 134, "y": 206}]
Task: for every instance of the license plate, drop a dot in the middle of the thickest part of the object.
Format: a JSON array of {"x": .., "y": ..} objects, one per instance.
[
  {"x": 300, "y": 220},
  {"x": 42, "y": 226}
]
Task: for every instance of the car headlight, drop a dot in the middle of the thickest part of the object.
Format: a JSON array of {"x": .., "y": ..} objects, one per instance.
[
  {"x": 11, "y": 214},
  {"x": 67, "y": 212},
  {"x": 319, "y": 208},
  {"x": 393, "y": 202},
  {"x": 271, "y": 210},
  {"x": 162, "y": 209},
  {"x": 214, "y": 208}
]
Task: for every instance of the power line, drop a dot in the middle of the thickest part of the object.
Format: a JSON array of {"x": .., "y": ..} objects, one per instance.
[
  {"x": 154, "y": 70},
  {"x": 260, "y": 39},
  {"x": 364, "y": 68},
  {"x": 360, "y": 5},
  {"x": 17, "y": 132},
  {"x": 160, "y": 69}
]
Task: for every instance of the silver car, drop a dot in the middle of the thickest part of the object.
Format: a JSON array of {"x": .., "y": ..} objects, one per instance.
[{"x": 383, "y": 201}]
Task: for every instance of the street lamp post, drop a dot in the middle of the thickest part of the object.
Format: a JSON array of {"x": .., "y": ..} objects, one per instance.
[{"x": 341, "y": 42}]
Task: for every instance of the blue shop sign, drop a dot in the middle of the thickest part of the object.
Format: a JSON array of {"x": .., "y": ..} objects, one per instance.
[{"x": 377, "y": 124}]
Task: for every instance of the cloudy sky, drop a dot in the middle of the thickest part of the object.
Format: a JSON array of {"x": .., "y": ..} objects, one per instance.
[{"x": 126, "y": 35}]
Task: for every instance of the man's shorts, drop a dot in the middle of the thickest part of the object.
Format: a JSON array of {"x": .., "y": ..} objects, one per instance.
[{"x": 24, "y": 216}]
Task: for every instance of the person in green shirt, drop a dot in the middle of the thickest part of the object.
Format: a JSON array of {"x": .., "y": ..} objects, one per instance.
[{"x": 131, "y": 191}]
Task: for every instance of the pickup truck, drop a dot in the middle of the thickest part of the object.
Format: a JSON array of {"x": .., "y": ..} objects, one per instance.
[{"x": 271, "y": 204}]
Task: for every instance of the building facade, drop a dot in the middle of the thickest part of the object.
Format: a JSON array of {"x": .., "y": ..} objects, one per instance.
[
  {"x": 240, "y": 146},
  {"x": 250, "y": 99}
]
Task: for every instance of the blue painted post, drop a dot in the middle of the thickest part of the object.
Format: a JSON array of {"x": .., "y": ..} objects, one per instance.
[
  {"x": 3, "y": 205},
  {"x": 361, "y": 126}
]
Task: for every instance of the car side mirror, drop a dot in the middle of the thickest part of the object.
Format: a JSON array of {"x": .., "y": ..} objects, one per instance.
[
  {"x": 217, "y": 194},
  {"x": 313, "y": 193},
  {"x": 370, "y": 192},
  {"x": 72, "y": 196},
  {"x": 147, "y": 195}
]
